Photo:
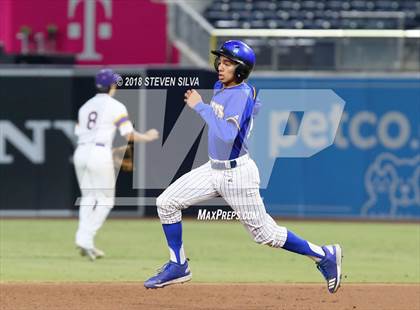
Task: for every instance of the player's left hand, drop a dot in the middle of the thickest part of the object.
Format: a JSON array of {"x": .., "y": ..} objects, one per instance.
[
  {"x": 192, "y": 98},
  {"x": 152, "y": 134}
]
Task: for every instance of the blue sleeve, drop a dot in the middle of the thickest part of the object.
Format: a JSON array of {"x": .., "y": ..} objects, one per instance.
[{"x": 225, "y": 130}]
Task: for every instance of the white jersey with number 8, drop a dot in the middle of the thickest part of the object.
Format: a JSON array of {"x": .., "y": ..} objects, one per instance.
[{"x": 99, "y": 118}]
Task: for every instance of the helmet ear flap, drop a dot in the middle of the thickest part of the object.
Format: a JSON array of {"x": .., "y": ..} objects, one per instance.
[{"x": 241, "y": 73}]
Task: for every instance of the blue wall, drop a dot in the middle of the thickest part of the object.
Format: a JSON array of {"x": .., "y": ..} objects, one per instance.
[{"x": 373, "y": 167}]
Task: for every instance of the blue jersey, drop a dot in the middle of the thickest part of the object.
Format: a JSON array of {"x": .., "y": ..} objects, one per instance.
[{"x": 229, "y": 117}]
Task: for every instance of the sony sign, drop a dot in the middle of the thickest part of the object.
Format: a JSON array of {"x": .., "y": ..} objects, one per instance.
[{"x": 32, "y": 148}]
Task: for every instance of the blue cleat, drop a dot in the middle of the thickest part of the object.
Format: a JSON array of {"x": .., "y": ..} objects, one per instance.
[
  {"x": 330, "y": 266},
  {"x": 170, "y": 273}
]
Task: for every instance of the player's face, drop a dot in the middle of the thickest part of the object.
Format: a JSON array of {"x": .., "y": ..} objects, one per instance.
[{"x": 226, "y": 70}]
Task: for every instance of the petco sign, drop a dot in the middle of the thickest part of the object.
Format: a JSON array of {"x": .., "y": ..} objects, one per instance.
[{"x": 369, "y": 165}]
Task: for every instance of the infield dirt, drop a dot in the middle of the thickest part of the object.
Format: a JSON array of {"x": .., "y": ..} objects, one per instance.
[{"x": 127, "y": 296}]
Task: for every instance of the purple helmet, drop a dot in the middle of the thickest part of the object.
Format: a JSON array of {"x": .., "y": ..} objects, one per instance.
[{"x": 106, "y": 77}]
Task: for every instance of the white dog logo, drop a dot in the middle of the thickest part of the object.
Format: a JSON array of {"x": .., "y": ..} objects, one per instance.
[{"x": 392, "y": 182}]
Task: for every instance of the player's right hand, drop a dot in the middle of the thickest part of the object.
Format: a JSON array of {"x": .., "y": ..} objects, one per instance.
[{"x": 192, "y": 98}]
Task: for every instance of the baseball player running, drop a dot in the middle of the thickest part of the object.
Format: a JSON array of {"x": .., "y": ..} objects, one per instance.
[
  {"x": 98, "y": 120},
  {"x": 231, "y": 173}
]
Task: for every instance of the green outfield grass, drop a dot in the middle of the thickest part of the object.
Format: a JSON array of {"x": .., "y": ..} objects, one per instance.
[{"x": 43, "y": 250}]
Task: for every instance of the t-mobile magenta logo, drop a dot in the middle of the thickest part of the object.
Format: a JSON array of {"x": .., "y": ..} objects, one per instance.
[{"x": 104, "y": 30}]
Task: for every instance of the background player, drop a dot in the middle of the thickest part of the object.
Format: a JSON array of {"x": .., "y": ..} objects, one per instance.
[
  {"x": 230, "y": 173},
  {"x": 98, "y": 120}
]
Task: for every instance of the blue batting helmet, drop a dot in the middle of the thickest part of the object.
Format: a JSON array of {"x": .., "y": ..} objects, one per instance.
[{"x": 238, "y": 52}]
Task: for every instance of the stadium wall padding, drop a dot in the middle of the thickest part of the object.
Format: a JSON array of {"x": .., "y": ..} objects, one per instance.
[
  {"x": 372, "y": 170},
  {"x": 373, "y": 167}
]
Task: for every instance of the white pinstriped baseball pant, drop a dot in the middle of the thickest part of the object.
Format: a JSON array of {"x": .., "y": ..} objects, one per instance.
[{"x": 238, "y": 186}]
